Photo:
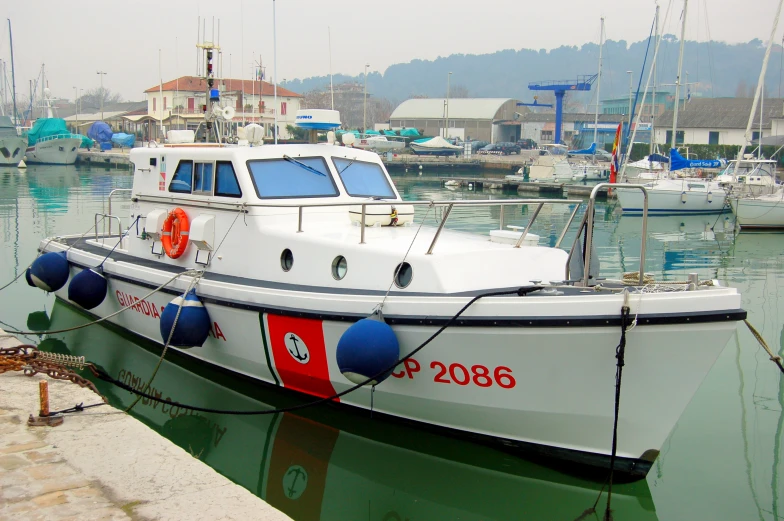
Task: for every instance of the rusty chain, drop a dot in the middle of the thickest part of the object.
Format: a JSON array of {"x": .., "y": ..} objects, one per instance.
[{"x": 29, "y": 360}]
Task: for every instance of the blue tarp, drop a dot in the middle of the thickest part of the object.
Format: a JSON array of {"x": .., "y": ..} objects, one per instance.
[
  {"x": 369, "y": 132},
  {"x": 100, "y": 132},
  {"x": 86, "y": 141},
  {"x": 588, "y": 151},
  {"x": 678, "y": 162},
  {"x": 409, "y": 132},
  {"x": 659, "y": 158},
  {"x": 123, "y": 140}
]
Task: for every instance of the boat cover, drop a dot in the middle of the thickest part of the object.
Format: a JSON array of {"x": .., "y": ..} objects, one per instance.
[
  {"x": 372, "y": 132},
  {"x": 437, "y": 142},
  {"x": 100, "y": 132},
  {"x": 658, "y": 158},
  {"x": 411, "y": 132},
  {"x": 86, "y": 141},
  {"x": 44, "y": 127},
  {"x": 678, "y": 162},
  {"x": 587, "y": 151},
  {"x": 123, "y": 140}
]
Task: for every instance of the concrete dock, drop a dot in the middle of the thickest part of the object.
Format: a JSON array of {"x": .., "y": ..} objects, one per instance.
[
  {"x": 103, "y": 464},
  {"x": 115, "y": 157}
]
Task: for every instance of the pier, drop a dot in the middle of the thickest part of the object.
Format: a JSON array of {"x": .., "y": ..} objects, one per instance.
[
  {"x": 557, "y": 189},
  {"x": 120, "y": 157},
  {"x": 102, "y": 463}
]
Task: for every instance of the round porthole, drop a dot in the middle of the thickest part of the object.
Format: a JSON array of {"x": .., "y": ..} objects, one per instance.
[
  {"x": 403, "y": 274},
  {"x": 286, "y": 259},
  {"x": 339, "y": 267}
]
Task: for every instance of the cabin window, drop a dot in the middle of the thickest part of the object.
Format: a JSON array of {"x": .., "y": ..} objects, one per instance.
[
  {"x": 404, "y": 273},
  {"x": 363, "y": 179},
  {"x": 339, "y": 267},
  {"x": 226, "y": 184},
  {"x": 183, "y": 178},
  {"x": 202, "y": 179},
  {"x": 292, "y": 177}
]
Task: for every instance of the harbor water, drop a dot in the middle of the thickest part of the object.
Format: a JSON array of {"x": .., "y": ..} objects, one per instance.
[{"x": 722, "y": 461}]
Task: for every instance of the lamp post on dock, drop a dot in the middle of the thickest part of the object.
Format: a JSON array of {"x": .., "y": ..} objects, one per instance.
[
  {"x": 446, "y": 129},
  {"x": 364, "y": 104},
  {"x": 101, "y": 73}
]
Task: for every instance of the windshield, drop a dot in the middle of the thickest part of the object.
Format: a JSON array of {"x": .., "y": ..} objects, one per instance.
[
  {"x": 300, "y": 177},
  {"x": 363, "y": 179}
]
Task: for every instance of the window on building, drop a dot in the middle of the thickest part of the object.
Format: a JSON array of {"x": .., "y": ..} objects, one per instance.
[
  {"x": 154, "y": 104},
  {"x": 183, "y": 177},
  {"x": 678, "y": 137},
  {"x": 713, "y": 138},
  {"x": 755, "y": 136},
  {"x": 547, "y": 135},
  {"x": 191, "y": 104},
  {"x": 283, "y": 108},
  {"x": 164, "y": 103}
]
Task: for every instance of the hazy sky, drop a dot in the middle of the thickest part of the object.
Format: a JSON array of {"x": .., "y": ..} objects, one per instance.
[{"x": 75, "y": 40}]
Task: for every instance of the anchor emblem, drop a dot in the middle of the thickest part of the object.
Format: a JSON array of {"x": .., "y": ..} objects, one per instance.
[
  {"x": 295, "y": 481},
  {"x": 297, "y": 348}
]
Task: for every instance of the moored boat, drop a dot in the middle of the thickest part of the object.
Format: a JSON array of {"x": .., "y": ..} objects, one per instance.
[
  {"x": 284, "y": 272},
  {"x": 12, "y": 145},
  {"x": 760, "y": 211},
  {"x": 436, "y": 146}
]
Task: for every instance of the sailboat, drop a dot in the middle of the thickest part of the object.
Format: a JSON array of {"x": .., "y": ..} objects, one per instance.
[
  {"x": 12, "y": 145},
  {"x": 678, "y": 196}
]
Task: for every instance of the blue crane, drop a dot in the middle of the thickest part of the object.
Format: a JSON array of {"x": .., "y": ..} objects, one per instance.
[{"x": 560, "y": 88}]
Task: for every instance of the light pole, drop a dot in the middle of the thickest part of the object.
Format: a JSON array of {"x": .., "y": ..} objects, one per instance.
[
  {"x": 364, "y": 104},
  {"x": 76, "y": 107},
  {"x": 446, "y": 130},
  {"x": 101, "y": 74}
]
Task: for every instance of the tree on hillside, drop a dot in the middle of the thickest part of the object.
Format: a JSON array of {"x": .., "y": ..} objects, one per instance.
[{"x": 459, "y": 91}]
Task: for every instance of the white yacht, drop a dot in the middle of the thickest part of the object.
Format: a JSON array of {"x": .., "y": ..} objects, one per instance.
[
  {"x": 749, "y": 177},
  {"x": 273, "y": 248},
  {"x": 760, "y": 211},
  {"x": 12, "y": 145},
  {"x": 551, "y": 165},
  {"x": 50, "y": 142}
]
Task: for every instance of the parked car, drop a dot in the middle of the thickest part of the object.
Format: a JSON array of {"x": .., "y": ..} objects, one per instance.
[
  {"x": 508, "y": 148},
  {"x": 526, "y": 144}
]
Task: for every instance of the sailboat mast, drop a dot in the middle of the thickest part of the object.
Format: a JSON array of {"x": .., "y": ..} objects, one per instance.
[
  {"x": 747, "y": 137},
  {"x": 13, "y": 77},
  {"x": 678, "y": 78},
  {"x": 598, "y": 82},
  {"x": 653, "y": 90}
]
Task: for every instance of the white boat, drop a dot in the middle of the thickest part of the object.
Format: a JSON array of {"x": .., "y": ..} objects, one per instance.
[
  {"x": 52, "y": 148},
  {"x": 12, "y": 145},
  {"x": 760, "y": 211},
  {"x": 589, "y": 172},
  {"x": 379, "y": 143},
  {"x": 436, "y": 146},
  {"x": 286, "y": 273},
  {"x": 752, "y": 177},
  {"x": 675, "y": 196},
  {"x": 551, "y": 165}
]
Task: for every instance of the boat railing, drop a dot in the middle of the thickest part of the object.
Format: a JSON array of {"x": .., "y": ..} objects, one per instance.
[
  {"x": 66, "y": 135},
  {"x": 109, "y": 210},
  {"x": 447, "y": 205},
  {"x": 588, "y": 221},
  {"x": 103, "y": 217}
]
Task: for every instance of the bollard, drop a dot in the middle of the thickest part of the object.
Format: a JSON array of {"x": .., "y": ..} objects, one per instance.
[
  {"x": 43, "y": 398},
  {"x": 43, "y": 419}
]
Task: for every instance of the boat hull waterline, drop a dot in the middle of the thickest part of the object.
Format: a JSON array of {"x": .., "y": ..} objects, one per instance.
[{"x": 533, "y": 382}]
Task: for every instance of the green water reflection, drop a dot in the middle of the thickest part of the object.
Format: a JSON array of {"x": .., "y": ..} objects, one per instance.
[{"x": 722, "y": 460}]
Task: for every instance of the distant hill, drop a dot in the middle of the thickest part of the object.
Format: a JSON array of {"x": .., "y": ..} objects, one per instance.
[{"x": 719, "y": 69}]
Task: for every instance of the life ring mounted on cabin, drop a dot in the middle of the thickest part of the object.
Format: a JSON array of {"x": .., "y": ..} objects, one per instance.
[{"x": 176, "y": 229}]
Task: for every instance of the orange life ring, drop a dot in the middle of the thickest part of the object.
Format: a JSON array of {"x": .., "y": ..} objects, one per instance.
[{"x": 176, "y": 229}]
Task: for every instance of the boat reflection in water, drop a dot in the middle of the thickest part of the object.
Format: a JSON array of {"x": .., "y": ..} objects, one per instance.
[{"x": 328, "y": 463}]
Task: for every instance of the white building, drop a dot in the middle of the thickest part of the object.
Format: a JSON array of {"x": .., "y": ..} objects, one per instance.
[
  {"x": 718, "y": 121},
  {"x": 180, "y": 103},
  {"x": 484, "y": 119}
]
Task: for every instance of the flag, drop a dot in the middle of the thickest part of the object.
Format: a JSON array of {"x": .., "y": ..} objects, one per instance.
[{"x": 614, "y": 161}]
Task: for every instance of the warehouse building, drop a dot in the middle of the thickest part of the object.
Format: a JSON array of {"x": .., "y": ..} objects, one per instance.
[{"x": 483, "y": 119}]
